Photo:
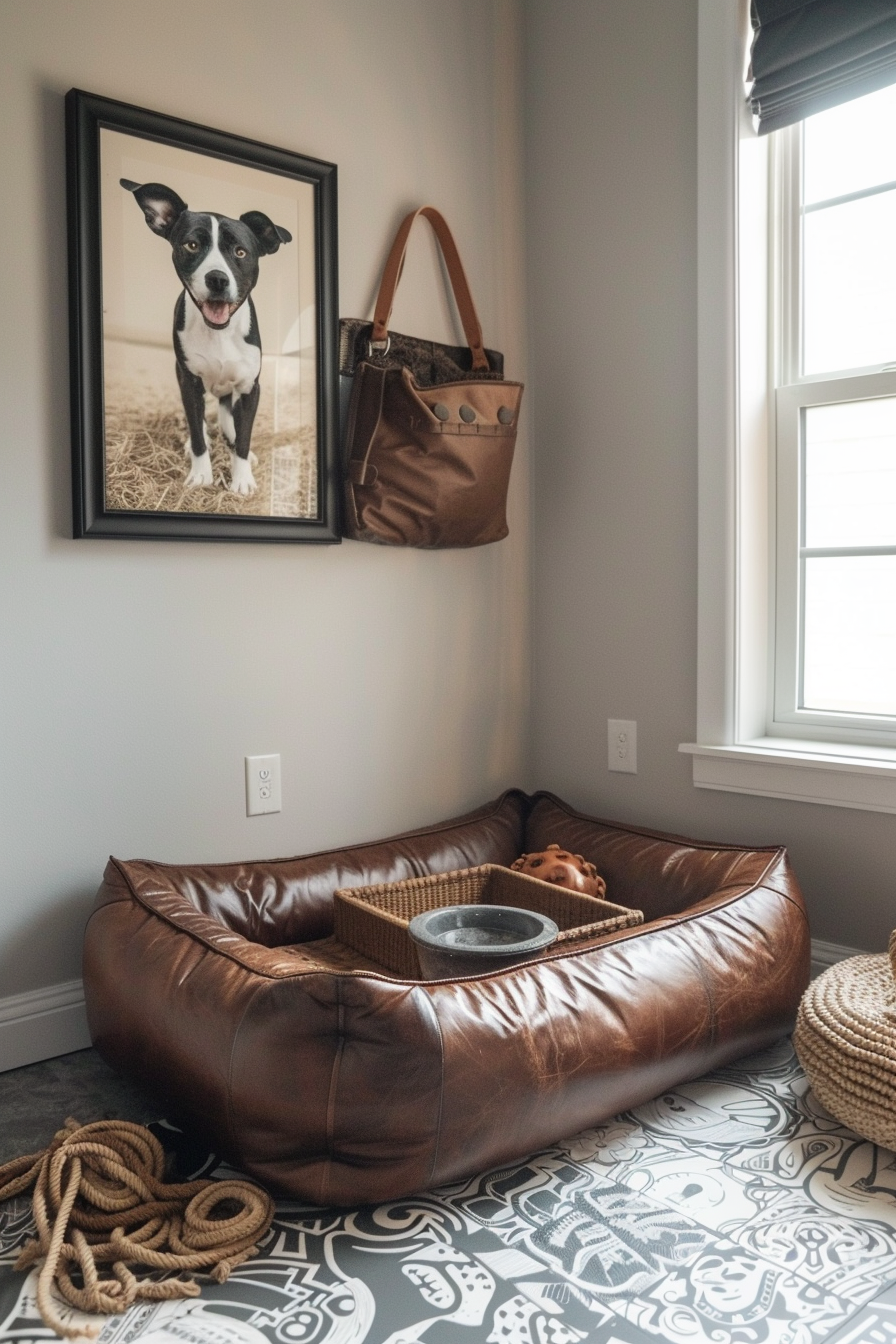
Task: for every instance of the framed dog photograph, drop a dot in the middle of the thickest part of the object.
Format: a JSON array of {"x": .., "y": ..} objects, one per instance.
[{"x": 203, "y": 311}]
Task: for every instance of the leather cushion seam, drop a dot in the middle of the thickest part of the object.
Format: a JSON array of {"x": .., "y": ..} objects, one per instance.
[
  {"x": 430, "y": 1008},
  {"x": 231, "y": 1116},
  {"x": 626, "y": 935},
  {"x": 331, "y": 1094}
]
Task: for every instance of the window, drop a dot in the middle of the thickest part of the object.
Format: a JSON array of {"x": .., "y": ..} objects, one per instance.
[
  {"x": 797, "y": 443},
  {"x": 834, "y": 213}
]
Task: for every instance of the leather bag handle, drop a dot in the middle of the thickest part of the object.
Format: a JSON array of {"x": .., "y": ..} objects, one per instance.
[{"x": 379, "y": 337}]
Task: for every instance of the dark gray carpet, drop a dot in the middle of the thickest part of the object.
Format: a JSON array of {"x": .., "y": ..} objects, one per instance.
[{"x": 36, "y": 1101}]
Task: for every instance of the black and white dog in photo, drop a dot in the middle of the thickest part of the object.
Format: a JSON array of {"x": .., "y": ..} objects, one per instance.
[{"x": 216, "y": 340}]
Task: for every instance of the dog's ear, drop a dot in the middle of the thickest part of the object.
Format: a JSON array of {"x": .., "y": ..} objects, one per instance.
[
  {"x": 269, "y": 235},
  {"x": 161, "y": 206}
]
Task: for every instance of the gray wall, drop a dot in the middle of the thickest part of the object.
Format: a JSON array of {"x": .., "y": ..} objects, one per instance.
[
  {"x": 135, "y": 677},
  {"x": 611, "y": 220}
]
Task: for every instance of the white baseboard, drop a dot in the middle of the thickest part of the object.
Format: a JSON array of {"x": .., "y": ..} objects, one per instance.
[
  {"x": 41, "y": 1024},
  {"x": 828, "y": 954}
]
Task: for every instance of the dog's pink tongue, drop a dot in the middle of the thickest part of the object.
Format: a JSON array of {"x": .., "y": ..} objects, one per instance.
[{"x": 216, "y": 312}]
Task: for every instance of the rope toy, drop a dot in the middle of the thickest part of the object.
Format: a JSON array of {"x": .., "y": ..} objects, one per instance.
[{"x": 100, "y": 1199}]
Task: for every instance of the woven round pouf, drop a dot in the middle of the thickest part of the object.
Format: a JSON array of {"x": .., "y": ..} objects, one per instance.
[{"x": 845, "y": 1039}]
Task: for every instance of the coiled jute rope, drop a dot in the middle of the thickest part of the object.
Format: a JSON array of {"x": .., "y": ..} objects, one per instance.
[
  {"x": 100, "y": 1200},
  {"x": 845, "y": 1039}
]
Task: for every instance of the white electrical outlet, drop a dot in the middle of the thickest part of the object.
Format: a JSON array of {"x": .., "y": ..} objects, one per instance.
[
  {"x": 262, "y": 785},
  {"x": 622, "y": 745}
]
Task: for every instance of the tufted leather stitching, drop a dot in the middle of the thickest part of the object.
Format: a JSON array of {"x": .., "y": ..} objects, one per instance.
[
  {"x": 425, "y": 1002},
  {"x": 331, "y": 1095}
]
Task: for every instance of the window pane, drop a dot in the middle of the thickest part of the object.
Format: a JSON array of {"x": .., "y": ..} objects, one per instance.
[
  {"x": 850, "y": 147},
  {"x": 849, "y": 650},
  {"x": 849, "y": 276},
  {"x": 850, "y": 479}
]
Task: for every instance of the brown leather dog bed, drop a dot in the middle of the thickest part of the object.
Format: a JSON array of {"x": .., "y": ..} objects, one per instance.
[{"x": 344, "y": 1084}]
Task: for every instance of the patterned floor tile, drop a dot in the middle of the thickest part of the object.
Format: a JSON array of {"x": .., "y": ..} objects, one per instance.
[
  {"x": 842, "y": 1175},
  {"x": 653, "y": 1265},
  {"x": 792, "y": 1207},
  {"x": 702, "y": 1188},
  {"x": 852, "y": 1258},
  {"x": 718, "y": 1112},
  {"x": 727, "y": 1295},
  {"x": 874, "y": 1324}
]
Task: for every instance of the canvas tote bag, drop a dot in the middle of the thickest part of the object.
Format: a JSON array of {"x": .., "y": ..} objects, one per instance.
[{"x": 430, "y": 428}]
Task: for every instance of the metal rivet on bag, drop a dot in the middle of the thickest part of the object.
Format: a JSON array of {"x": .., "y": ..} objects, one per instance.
[
  {"x": 440, "y": 411},
  {"x": 467, "y": 414},
  {"x": 505, "y": 415}
]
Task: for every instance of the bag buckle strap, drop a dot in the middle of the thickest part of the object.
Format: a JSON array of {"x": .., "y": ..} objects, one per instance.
[
  {"x": 456, "y": 276},
  {"x": 379, "y": 347}
]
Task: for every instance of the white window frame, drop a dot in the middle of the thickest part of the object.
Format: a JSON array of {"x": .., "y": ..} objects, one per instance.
[
  {"x": 795, "y": 393},
  {"x": 741, "y": 747}
]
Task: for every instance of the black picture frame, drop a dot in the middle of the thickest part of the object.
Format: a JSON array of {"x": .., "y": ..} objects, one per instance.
[{"x": 97, "y": 508}]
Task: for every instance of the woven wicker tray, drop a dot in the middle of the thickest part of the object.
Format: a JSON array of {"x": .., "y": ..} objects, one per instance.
[{"x": 374, "y": 920}]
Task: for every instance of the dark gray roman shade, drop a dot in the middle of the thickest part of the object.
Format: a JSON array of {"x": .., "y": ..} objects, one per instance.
[{"x": 808, "y": 55}]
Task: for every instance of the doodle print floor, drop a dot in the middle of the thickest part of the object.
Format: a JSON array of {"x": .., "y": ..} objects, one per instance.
[{"x": 733, "y": 1210}]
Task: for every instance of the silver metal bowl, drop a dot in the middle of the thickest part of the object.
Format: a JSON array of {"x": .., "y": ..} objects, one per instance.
[{"x": 472, "y": 939}]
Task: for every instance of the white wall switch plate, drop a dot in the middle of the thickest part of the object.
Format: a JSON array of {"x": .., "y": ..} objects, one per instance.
[
  {"x": 622, "y": 745},
  {"x": 262, "y": 785}
]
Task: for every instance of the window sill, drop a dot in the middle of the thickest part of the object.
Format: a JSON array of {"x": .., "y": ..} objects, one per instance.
[{"x": 801, "y": 770}]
